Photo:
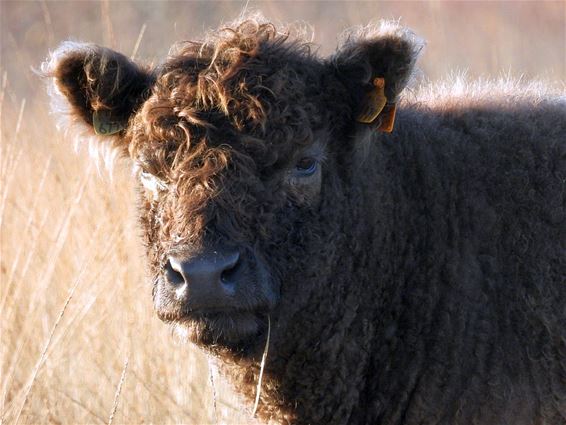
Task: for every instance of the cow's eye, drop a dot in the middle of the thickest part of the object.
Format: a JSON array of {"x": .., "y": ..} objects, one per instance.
[{"x": 306, "y": 167}]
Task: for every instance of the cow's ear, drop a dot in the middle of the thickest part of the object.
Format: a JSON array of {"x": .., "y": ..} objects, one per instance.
[
  {"x": 375, "y": 63},
  {"x": 95, "y": 87}
]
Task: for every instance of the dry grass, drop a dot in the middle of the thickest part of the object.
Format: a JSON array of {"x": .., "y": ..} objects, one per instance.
[{"x": 79, "y": 341}]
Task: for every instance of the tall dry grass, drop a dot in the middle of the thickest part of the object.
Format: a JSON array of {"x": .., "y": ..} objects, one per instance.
[{"x": 79, "y": 341}]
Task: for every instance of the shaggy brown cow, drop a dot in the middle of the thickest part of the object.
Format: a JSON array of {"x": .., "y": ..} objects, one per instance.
[{"x": 411, "y": 277}]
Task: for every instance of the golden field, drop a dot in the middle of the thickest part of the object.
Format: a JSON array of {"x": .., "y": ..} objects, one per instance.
[{"x": 79, "y": 341}]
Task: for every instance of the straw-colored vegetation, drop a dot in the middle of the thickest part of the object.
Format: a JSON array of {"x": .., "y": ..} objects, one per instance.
[{"x": 79, "y": 341}]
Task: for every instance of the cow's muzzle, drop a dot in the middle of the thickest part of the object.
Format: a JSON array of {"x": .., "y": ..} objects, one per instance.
[
  {"x": 208, "y": 281},
  {"x": 220, "y": 294}
]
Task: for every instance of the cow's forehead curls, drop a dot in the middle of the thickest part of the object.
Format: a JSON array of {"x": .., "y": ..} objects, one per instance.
[
  {"x": 240, "y": 73},
  {"x": 229, "y": 92}
]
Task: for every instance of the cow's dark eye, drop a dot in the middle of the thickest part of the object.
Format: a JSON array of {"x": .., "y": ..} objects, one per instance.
[{"x": 306, "y": 167}]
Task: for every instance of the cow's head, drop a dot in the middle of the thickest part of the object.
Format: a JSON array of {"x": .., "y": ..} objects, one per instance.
[{"x": 242, "y": 145}]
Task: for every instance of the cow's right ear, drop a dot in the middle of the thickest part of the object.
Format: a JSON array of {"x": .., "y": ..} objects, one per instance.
[{"x": 96, "y": 87}]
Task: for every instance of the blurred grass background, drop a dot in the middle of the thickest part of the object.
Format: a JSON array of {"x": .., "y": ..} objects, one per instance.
[{"x": 74, "y": 302}]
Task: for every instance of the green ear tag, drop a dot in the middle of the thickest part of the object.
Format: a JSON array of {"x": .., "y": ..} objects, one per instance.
[{"x": 104, "y": 125}]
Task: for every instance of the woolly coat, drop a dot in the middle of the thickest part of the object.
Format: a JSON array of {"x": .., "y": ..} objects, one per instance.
[
  {"x": 446, "y": 299},
  {"x": 420, "y": 274}
]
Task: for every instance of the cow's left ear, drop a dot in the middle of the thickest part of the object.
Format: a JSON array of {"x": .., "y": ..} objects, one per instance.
[
  {"x": 375, "y": 63},
  {"x": 96, "y": 87}
]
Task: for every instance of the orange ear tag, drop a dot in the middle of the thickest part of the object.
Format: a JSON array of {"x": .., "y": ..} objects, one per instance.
[
  {"x": 387, "y": 118},
  {"x": 375, "y": 105},
  {"x": 374, "y": 102}
]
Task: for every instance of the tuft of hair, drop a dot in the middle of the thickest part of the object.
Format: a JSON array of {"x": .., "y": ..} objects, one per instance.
[
  {"x": 223, "y": 53},
  {"x": 457, "y": 91}
]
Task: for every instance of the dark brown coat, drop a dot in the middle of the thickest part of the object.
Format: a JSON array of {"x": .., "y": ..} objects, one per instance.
[{"x": 416, "y": 277}]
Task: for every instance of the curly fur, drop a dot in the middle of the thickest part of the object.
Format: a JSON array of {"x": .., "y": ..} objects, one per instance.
[{"x": 420, "y": 275}]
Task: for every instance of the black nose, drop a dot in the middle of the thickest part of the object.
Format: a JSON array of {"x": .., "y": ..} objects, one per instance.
[{"x": 207, "y": 280}]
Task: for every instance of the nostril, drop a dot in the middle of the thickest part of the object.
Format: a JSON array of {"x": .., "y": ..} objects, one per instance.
[
  {"x": 173, "y": 275},
  {"x": 228, "y": 275}
]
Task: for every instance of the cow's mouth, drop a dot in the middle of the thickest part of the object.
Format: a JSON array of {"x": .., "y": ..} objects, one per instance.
[
  {"x": 216, "y": 298},
  {"x": 220, "y": 328}
]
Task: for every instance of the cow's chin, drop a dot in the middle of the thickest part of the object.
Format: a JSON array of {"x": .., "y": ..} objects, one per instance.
[{"x": 210, "y": 330}]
